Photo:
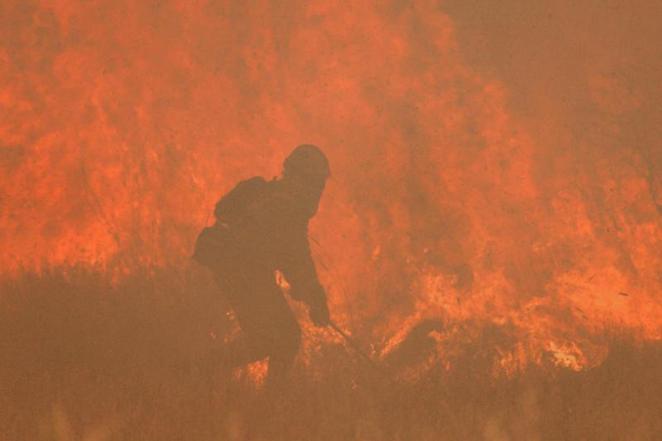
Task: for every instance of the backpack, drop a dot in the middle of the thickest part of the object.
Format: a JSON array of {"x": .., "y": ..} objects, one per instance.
[{"x": 230, "y": 209}]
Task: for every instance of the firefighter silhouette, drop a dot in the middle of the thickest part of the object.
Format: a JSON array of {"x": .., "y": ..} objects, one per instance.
[{"x": 261, "y": 227}]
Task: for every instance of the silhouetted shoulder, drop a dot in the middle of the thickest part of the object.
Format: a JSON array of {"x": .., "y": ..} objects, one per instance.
[{"x": 234, "y": 203}]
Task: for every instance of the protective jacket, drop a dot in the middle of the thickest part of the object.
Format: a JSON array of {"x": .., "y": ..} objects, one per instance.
[{"x": 260, "y": 227}]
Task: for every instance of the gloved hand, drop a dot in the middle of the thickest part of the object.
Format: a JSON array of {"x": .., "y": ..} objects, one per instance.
[{"x": 319, "y": 315}]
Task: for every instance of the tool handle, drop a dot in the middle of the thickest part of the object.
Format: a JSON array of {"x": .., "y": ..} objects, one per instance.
[{"x": 352, "y": 344}]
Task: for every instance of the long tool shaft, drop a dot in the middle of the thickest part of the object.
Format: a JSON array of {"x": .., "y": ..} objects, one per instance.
[{"x": 351, "y": 343}]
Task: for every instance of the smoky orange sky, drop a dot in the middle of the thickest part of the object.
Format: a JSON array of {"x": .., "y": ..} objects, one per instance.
[{"x": 491, "y": 161}]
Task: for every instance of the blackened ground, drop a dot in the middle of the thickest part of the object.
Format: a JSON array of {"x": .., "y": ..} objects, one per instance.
[{"x": 83, "y": 359}]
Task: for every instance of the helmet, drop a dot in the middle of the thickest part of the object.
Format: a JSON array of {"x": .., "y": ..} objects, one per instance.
[{"x": 307, "y": 161}]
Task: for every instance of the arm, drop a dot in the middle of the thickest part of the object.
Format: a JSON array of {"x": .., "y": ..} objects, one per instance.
[{"x": 299, "y": 270}]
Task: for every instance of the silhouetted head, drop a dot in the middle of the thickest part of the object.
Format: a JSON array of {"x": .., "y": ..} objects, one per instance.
[
  {"x": 305, "y": 172},
  {"x": 306, "y": 162}
]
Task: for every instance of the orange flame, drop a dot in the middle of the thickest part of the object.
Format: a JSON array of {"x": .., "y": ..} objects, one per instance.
[{"x": 125, "y": 121}]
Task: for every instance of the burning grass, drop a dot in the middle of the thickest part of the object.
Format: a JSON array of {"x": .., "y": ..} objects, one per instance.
[{"x": 87, "y": 359}]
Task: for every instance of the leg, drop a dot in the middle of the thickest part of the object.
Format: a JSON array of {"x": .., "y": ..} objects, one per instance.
[
  {"x": 271, "y": 329},
  {"x": 282, "y": 354},
  {"x": 268, "y": 326}
]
